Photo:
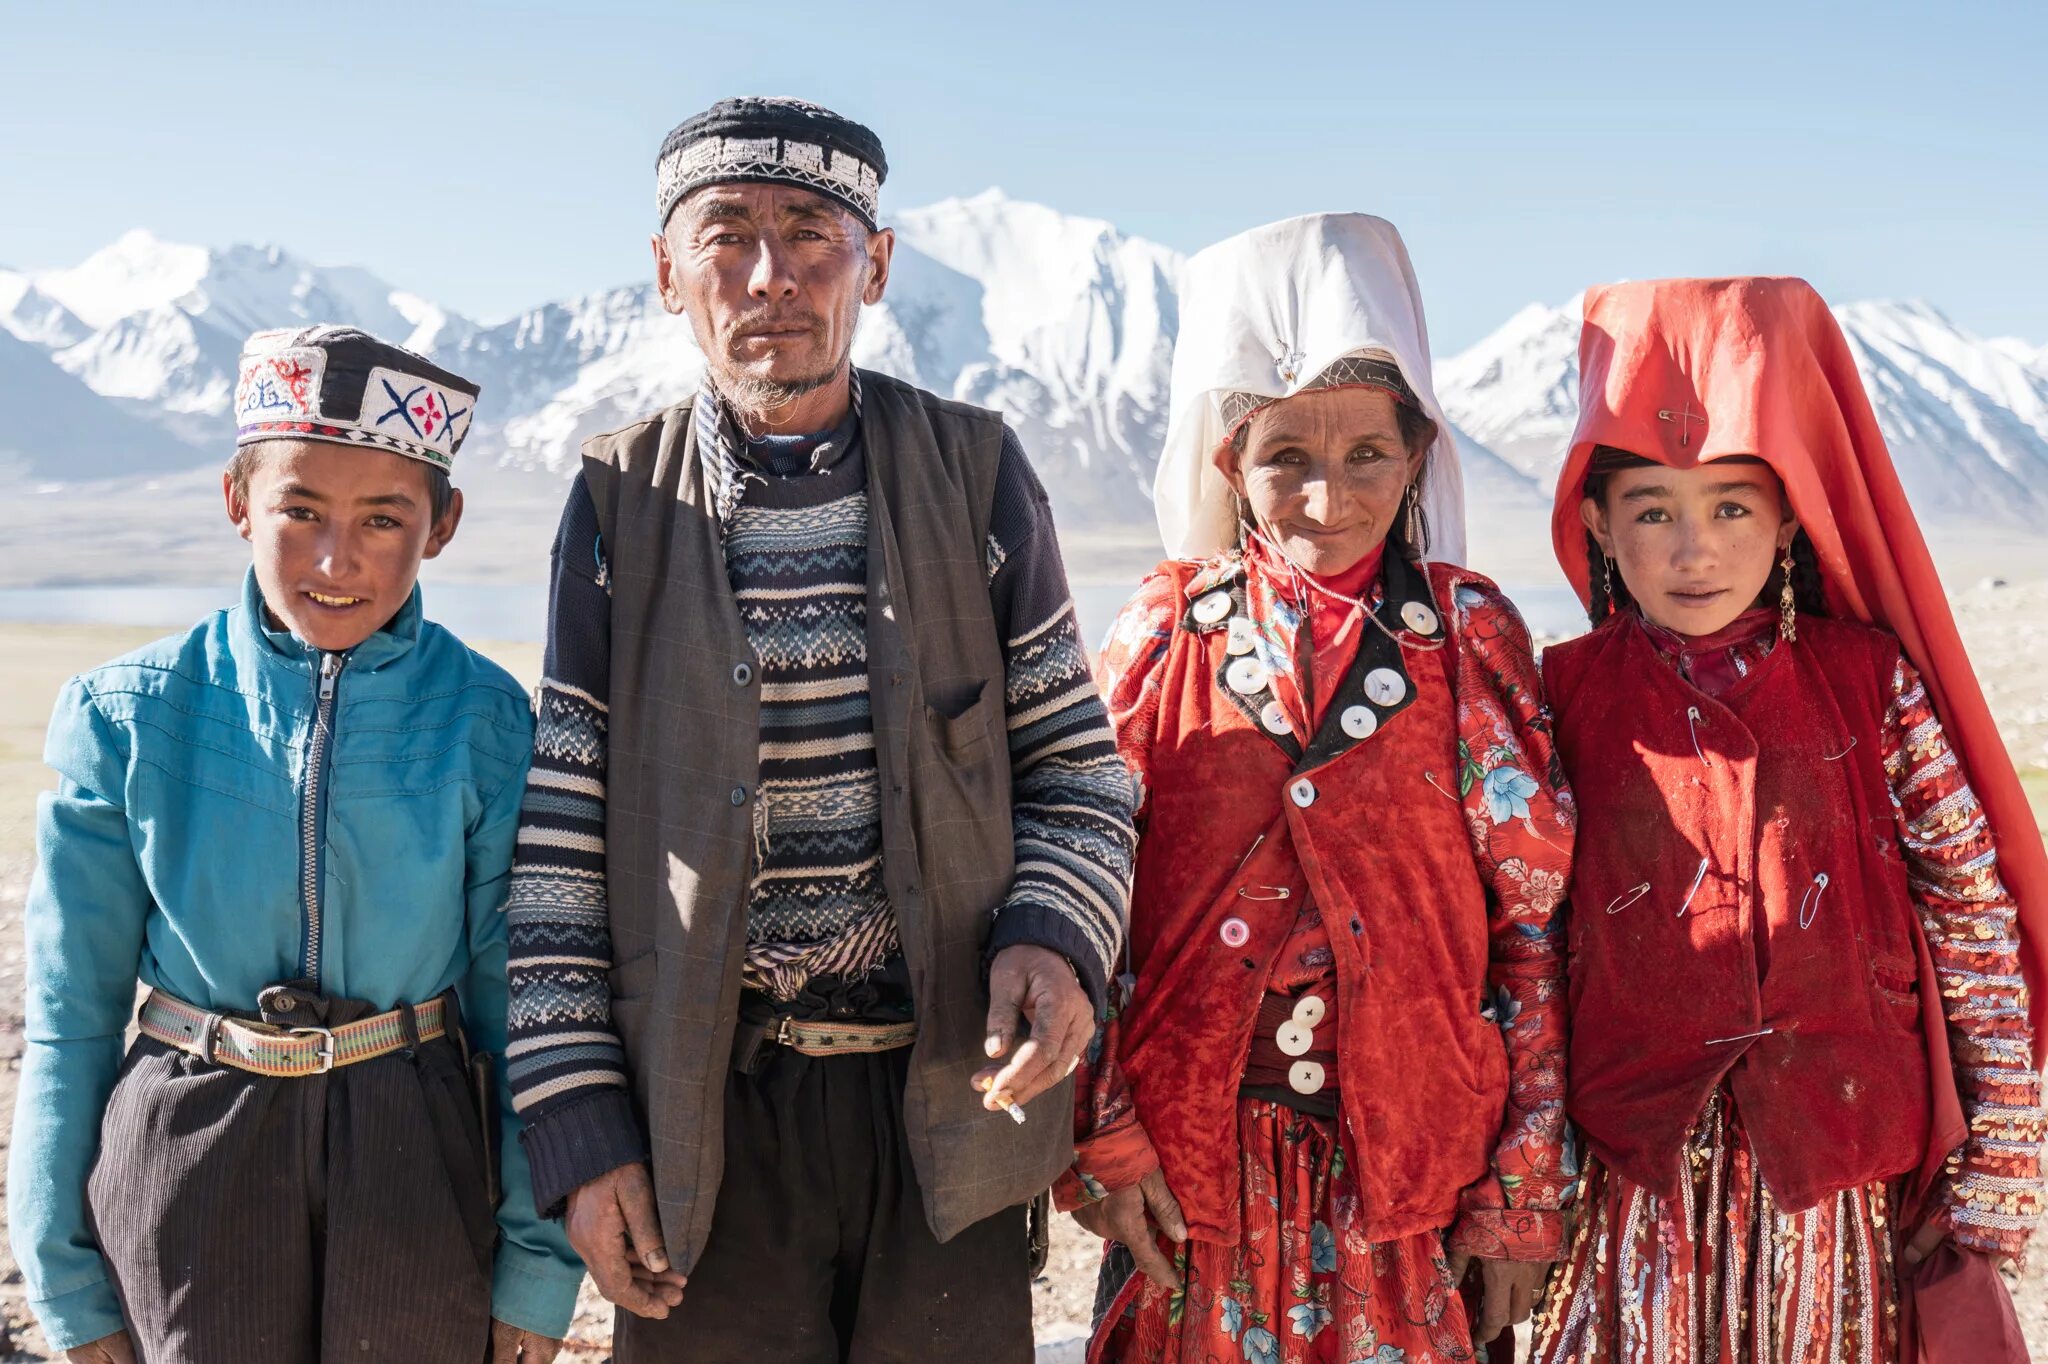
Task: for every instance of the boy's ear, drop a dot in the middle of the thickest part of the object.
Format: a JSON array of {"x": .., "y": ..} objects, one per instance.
[
  {"x": 444, "y": 529},
  {"x": 237, "y": 502},
  {"x": 1593, "y": 516}
]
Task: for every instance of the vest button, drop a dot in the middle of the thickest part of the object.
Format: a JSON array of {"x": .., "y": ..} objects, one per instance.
[
  {"x": 1212, "y": 607},
  {"x": 1235, "y": 932},
  {"x": 1305, "y": 1077},
  {"x": 1273, "y": 717},
  {"x": 1418, "y": 618},
  {"x": 1302, "y": 793},
  {"x": 1359, "y": 721},
  {"x": 739, "y": 795},
  {"x": 742, "y": 673},
  {"x": 1245, "y": 675},
  {"x": 1293, "y": 1039},
  {"x": 1310, "y": 1010},
  {"x": 1384, "y": 686}
]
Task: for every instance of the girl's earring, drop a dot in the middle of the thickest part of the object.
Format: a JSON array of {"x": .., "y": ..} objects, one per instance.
[
  {"x": 1788, "y": 604},
  {"x": 1607, "y": 575}
]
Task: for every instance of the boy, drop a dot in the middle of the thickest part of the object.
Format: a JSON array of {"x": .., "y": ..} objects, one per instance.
[{"x": 293, "y": 823}]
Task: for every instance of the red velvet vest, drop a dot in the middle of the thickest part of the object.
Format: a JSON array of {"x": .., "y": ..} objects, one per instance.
[
  {"x": 1240, "y": 825},
  {"x": 1739, "y": 910}
]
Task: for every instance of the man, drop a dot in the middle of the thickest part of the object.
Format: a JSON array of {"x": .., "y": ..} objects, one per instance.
[{"x": 825, "y": 810}]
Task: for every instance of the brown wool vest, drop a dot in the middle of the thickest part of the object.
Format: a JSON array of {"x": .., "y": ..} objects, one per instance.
[
  {"x": 1730, "y": 817},
  {"x": 683, "y": 760}
]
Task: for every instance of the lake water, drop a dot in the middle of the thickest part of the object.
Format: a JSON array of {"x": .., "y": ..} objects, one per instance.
[{"x": 517, "y": 612}]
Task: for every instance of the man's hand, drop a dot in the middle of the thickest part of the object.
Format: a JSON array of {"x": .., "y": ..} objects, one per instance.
[
  {"x": 613, "y": 1225},
  {"x": 113, "y": 1349},
  {"x": 1032, "y": 985},
  {"x": 510, "y": 1345},
  {"x": 1133, "y": 1216},
  {"x": 1509, "y": 1289}
]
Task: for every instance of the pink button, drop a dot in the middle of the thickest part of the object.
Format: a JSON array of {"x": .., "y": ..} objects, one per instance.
[{"x": 1235, "y": 933}]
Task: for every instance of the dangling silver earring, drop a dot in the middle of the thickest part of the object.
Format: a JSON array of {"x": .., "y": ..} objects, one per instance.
[
  {"x": 1788, "y": 602},
  {"x": 1607, "y": 574},
  {"x": 1415, "y": 531}
]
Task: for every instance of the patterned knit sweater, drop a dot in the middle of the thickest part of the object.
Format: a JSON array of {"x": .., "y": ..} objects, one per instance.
[{"x": 796, "y": 555}]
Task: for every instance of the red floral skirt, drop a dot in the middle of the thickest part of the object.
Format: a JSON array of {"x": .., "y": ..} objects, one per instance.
[
  {"x": 1720, "y": 1274},
  {"x": 1303, "y": 1284}
]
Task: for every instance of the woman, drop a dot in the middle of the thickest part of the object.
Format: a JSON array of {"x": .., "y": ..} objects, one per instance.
[
  {"x": 1801, "y": 1047},
  {"x": 1338, "y": 1072}
]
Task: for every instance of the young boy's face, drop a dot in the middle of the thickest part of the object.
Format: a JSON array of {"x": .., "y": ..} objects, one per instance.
[{"x": 338, "y": 533}]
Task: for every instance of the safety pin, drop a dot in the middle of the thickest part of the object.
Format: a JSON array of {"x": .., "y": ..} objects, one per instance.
[
  {"x": 1244, "y": 892},
  {"x": 1430, "y": 777},
  {"x": 1812, "y": 898},
  {"x": 1697, "y": 878},
  {"x": 1627, "y": 898},
  {"x": 1249, "y": 851},
  {"x": 1844, "y": 753},
  {"x": 1693, "y": 719},
  {"x": 1739, "y": 1037}
]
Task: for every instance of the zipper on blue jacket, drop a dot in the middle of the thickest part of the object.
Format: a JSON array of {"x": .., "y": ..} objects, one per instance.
[{"x": 313, "y": 812}]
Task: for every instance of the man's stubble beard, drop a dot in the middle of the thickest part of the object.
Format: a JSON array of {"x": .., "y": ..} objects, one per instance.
[{"x": 755, "y": 396}]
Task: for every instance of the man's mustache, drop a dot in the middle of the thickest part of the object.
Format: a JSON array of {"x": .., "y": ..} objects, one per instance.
[{"x": 779, "y": 322}]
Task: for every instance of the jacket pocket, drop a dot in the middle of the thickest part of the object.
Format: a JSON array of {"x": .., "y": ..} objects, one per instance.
[
  {"x": 1896, "y": 984},
  {"x": 959, "y": 711}
]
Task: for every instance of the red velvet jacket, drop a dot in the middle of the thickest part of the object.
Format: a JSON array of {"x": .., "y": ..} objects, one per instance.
[
  {"x": 1742, "y": 910},
  {"x": 1448, "y": 962}
]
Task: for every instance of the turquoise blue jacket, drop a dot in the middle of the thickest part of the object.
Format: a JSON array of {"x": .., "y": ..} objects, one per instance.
[{"x": 173, "y": 852}]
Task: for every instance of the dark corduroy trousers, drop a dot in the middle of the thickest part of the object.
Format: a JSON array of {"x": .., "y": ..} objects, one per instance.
[
  {"x": 304, "y": 1221},
  {"x": 820, "y": 1250}
]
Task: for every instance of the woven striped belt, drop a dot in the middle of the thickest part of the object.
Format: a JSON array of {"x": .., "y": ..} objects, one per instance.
[
  {"x": 280, "y": 1050},
  {"x": 816, "y": 1037}
]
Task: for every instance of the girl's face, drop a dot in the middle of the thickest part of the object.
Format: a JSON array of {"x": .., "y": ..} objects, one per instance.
[
  {"x": 1323, "y": 474},
  {"x": 1695, "y": 547}
]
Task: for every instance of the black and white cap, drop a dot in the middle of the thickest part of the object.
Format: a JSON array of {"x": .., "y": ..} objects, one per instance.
[
  {"x": 767, "y": 141},
  {"x": 342, "y": 384}
]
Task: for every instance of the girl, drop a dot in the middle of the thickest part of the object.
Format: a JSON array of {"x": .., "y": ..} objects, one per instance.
[{"x": 1802, "y": 1057}]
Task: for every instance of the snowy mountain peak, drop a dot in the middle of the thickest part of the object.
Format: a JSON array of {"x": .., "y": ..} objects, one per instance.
[
  {"x": 1064, "y": 324},
  {"x": 1966, "y": 420},
  {"x": 135, "y": 273}
]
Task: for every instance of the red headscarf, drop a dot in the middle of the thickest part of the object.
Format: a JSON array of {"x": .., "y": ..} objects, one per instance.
[{"x": 1682, "y": 371}]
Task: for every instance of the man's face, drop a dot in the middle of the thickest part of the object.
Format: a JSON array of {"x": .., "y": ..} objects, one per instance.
[
  {"x": 772, "y": 280},
  {"x": 338, "y": 532}
]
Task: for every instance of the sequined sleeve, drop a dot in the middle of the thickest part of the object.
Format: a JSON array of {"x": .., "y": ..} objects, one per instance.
[
  {"x": 1993, "y": 1184},
  {"x": 1521, "y": 818}
]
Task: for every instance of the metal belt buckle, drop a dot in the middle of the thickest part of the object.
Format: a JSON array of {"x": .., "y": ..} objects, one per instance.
[
  {"x": 783, "y": 1036},
  {"x": 326, "y": 1036}
]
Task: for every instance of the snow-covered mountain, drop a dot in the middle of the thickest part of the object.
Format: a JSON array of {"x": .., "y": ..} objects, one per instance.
[
  {"x": 1966, "y": 418},
  {"x": 1065, "y": 324}
]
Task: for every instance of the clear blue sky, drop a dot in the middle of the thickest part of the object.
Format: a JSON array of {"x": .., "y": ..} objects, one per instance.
[{"x": 495, "y": 157}]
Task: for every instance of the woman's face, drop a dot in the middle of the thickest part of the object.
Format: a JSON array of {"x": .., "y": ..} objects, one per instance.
[
  {"x": 1695, "y": 547},
  {"x": 1323, "y": 473}
]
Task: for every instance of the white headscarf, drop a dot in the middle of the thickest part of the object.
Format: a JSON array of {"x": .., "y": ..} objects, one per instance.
[{"x": 1266, "y": 312}]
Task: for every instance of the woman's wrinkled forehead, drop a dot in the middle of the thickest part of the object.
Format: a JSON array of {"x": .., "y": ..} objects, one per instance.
[{"x": 1355, "y": 411}]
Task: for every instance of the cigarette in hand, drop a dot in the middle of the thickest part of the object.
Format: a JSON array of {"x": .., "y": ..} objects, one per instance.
[{"x": 1010, "y": 1107}]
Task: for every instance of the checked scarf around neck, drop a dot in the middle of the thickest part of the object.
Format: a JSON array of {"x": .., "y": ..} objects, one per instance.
[{"x": 719, "y": 440}]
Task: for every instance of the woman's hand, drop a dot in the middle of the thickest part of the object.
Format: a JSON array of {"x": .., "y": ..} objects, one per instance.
[
  {"x": 1508, "y": 1291},
  {"x": 113, "y": 1349},
  {"x": 1134, "y": 1217},
  {"x": 511, "y": 1345},
  {"x": 1925, "y": 1241}
]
